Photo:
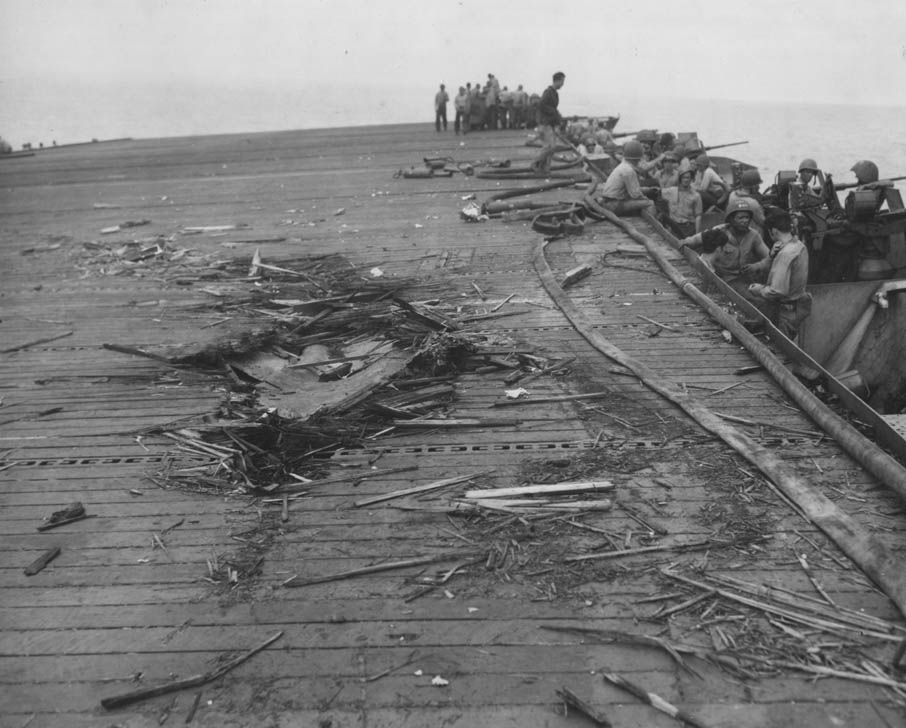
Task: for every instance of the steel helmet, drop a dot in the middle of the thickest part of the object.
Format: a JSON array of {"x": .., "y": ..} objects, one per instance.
[
  {"x": 703, "y": 161},
  {"x": 646, "y": 135},
  {"x": 809, "y": 165},
  {"x": 632, "y": 150},
  {"x": 866, "y": 171},
  {"x": 740, "y": 204},
  {"x": 750, "y": 177}
]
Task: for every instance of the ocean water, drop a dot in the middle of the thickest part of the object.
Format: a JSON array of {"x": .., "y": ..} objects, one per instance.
[{"x": 779, "y": 135}]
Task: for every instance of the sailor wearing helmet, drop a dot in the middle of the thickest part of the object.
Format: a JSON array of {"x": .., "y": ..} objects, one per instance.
[
  {"x": 622, "y": 193},
  {"x": 811, "y": 177},
  {"x": 744, "y": 258},
  {"x": 749, "y": 183},
  {"x": 651, "y": 155},
  {"x": 866, "y": 173}
]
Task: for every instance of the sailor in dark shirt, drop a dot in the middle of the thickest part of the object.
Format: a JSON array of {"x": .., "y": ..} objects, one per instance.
[{"x": 549, "y": 118}]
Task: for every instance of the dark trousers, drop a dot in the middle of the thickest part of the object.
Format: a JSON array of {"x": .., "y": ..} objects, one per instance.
[
  {"x": 461, "y": 121},
  {"x": 680, "y": 229},
  {"x": 440, "y": 116},
  {"x": 788, "y": 316},
  {"x": 491, "y": 117}
]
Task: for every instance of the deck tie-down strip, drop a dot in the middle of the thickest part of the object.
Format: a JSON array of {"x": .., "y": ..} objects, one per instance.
[
  {"x": 357, "y": 453},
  {"x": 509, "y": 447},
  {"x": 88, "y": 460}
]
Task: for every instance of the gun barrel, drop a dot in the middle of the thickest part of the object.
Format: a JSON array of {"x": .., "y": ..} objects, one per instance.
[
  {"x": 851, "y": 185},
  {"x": 621, "y": 134},
  {"x": 724, "y": 146}
]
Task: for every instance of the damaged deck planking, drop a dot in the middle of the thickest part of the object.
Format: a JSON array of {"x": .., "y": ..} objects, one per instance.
[{"x": 76, "y": 632}]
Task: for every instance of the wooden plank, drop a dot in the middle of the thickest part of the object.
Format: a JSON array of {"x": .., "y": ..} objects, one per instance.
[{"x": 545, "y": 489}]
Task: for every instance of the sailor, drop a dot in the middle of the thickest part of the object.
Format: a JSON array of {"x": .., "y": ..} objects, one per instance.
[
  {"x": 590, "y": 146},
  {"x": 709, "y": 184},
  {"x": 461, "y": 104},
  {"x": 491, "y": 97},
  {"x": 440, "y": 108},
  {"x": 783, "y": 298},
  {"x": 549, "y": 117},
  {"x": 572, "y": 131},
  {"x": 749, "y": 184},
  {"x": 651, "y": 156},
  {"x": 493, "y": 82},
  {"x": 744, "y": 259},
  {"x": 668, "y": 175},
  {"x": 622, "y": 193},
  {"x": 648, "y": 139},
  {"x": 684, "y": 207},
  {"x": 507, "y": 108},
  {"x": 604, "y": 137},
  {"x": 868, "y": 178},
  {"x": 520, "y": 106},
  {"x": 810, "y": 176},
  {"x": 476, "y": 107},
  {"x": 808, "y": 189},
  {"x": 713, "y": 239},
  {"x": 866, "y": 172}
]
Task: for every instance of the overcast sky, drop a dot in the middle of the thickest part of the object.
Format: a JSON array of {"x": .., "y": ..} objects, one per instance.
[{"x": 810, "y": 51}]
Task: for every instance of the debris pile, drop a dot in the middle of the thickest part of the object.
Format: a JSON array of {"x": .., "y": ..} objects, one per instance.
[
  {"x": 137, "y": 257},
  {"x": 438, "y": 167},
  {"x": 759, "y": 630},
  {"x": 326, "y": 358}
]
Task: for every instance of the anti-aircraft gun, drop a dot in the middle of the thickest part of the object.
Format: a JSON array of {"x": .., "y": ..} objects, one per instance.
[{"x": 857, "y": 240}]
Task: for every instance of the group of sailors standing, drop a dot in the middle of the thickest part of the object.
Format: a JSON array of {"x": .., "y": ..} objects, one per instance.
[{"x": 486, "y": 106}]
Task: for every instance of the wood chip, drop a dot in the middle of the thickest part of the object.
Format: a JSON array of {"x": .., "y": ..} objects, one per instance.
[{"x": 42, "y": 561}]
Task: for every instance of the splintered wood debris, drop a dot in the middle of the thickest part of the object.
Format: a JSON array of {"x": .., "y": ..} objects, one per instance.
[
  {"x": 325, "y": 358},
  {"x": 750, "y": 638},
  {"x": 121, "y": 701}
]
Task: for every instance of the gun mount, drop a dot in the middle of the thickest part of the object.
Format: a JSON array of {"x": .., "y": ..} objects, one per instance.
[{"x": 856, "y": 240}]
